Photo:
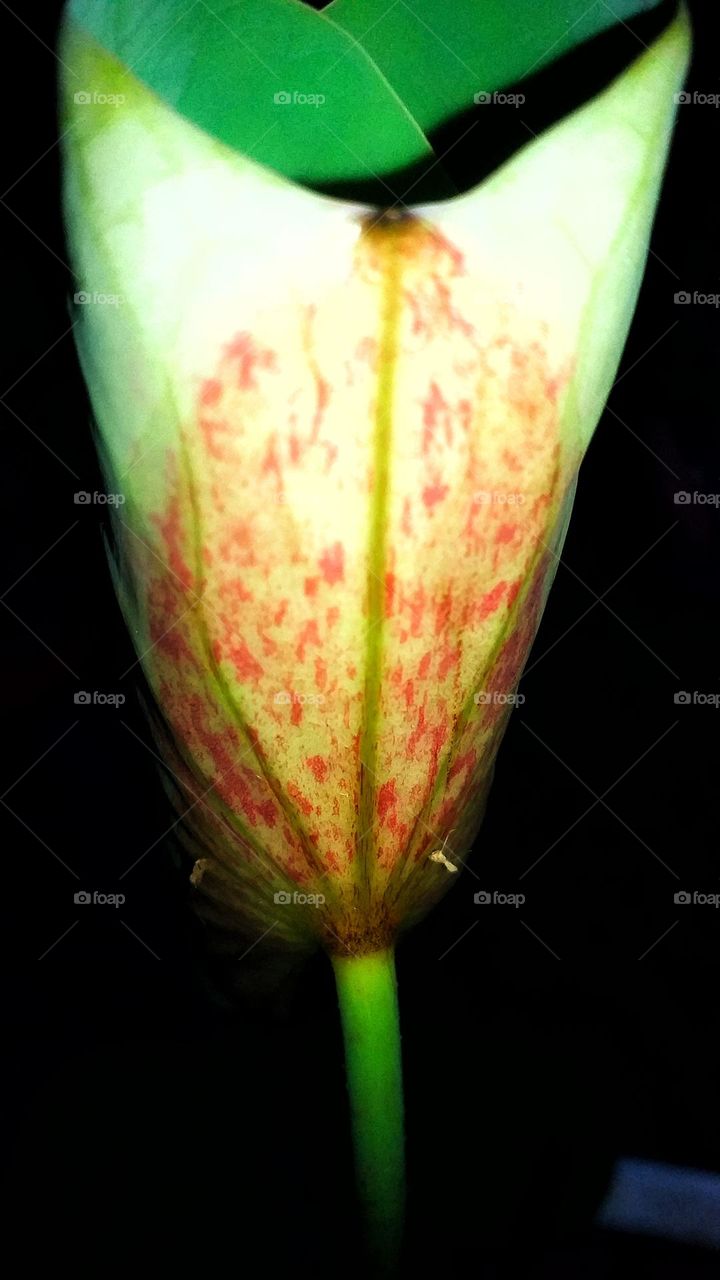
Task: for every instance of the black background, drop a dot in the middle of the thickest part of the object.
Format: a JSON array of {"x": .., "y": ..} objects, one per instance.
[{"x": 150, "y": 1116}]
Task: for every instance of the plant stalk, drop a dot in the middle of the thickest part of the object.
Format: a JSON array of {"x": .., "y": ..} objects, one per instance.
[{"x": 367, "y": 993}]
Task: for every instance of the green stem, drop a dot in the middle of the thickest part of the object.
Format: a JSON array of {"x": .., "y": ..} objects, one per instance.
[{"x": 367, "y": 992}]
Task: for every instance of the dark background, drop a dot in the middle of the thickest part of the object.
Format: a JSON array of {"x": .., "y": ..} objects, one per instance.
[{"x": 147, "y": 1114}]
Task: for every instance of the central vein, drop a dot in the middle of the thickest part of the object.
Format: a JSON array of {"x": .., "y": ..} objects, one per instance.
[{"x": 387, "y": 243}]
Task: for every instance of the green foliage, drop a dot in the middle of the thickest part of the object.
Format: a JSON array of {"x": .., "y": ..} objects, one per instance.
[{"x": 382, "y": 75}]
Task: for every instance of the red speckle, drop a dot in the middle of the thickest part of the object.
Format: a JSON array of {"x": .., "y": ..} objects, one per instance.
[
  {"x": 442, "y": 613},
  {"x": 165, "y": 613},
  {"x": 506, "y": 533},
  {"x": 238, "y": 543},
  {"x": 280, "y": 612},
  {"x": 434, "y": 493},
  {"x": 233, "y": 784},
  {"x": 254, "y": 737},
  {"x": 418, "y": 732},
  {"x": 406, "y": 524},
  {"x": 332, "y": 563},
  {"x": 465, "y": 413},
  {"x": 170, "y": 527},
  {"x": 296, "y": 712},
  {"x": 389, "y": 593},
  {"x": 246, "y": 666},
  {"x": 267, "y": 811},
  {"x": 311, "y": 586},
  {"x": 294, "y": 449},
  {"x": 301, "y": 800},
  {"x": 244, "y": 351},
  {"x": 448, "y": 660},
  {"x": 491, "y": 601},
  {"x": 352, "y": 670},
  {"x": 271, "y": 462},
  {"x": 235, "y": 591},
  {"x": 387, "y": 799},
  {"x": 318, "y": 766},
  {"x": 431, "y": 408},
  {"x": 552, "y": 386},
  {"x": 409, "y": 693},
  {"x": 308, "y": 635},
  {"x": 332, "y": 616},
  {"x": 211, "y": 391},
  {"x": 320, "y": 673},
  {"x": 460, "y": 764},
  {"x": 268, "y": 644},
  {"x": 424, "y": 666},
  {"x": 438, "y": 735},
  {"x": 417, "y": 608}
]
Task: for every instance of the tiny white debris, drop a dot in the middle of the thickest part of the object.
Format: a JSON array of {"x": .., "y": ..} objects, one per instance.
[{"x": 439, "y": 856}]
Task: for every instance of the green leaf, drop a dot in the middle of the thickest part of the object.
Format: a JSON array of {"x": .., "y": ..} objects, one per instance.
[
  {"x": 222, "y": 67},
  {"x": 386, "y": 73},
  {"x": 438, "y": 55}
]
